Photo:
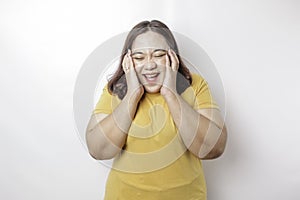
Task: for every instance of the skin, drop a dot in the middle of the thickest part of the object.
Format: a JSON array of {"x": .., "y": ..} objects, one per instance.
[
  {"x": 149, "y": 52},
  {"x": 205, "y": 136}
]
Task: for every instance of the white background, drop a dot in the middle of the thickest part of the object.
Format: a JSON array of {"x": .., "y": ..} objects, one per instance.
[{"x": 255, "y": 46}]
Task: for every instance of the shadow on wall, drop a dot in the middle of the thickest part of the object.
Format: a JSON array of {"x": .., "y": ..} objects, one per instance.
[{"x": 222, "y": 173}]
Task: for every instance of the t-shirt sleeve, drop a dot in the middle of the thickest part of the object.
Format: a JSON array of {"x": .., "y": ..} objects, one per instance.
[
  {"x": 105, "y": 103},
  {"x": 199, "y": 95}
]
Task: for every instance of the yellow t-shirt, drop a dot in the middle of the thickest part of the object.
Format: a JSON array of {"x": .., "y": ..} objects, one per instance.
[{"x": 155, "y": 163}]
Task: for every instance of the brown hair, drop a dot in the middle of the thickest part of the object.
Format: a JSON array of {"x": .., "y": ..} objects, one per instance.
[{"x": 117, "y": 83}]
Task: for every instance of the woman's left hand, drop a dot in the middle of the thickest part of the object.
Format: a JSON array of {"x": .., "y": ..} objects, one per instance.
[{"x": 169, "y": 84}]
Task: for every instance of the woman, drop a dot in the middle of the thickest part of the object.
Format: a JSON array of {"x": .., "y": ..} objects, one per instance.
[{"x": 157, "y": 120}]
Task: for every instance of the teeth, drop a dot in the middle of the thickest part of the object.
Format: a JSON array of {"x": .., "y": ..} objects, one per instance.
[{"x": 151, "y": 76}]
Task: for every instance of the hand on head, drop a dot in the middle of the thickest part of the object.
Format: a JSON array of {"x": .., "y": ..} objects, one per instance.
[
  {"x": 134, "y": 88},
  {"x": 172, "y": 65}
]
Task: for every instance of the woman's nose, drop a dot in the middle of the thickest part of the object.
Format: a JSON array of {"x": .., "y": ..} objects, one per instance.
[{"x": 149, "y": 65}]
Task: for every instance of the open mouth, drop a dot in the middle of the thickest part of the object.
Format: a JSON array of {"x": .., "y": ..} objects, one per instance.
[{"x": 151, "y": 77}]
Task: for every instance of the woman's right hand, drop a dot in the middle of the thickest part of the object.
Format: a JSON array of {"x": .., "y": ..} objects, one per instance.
[
  {"x": 134, "y": 89},
  {"x": 106, "y": 134}
]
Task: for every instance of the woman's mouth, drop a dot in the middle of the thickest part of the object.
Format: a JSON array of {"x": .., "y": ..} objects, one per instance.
[{"x": 151, "y": 78}]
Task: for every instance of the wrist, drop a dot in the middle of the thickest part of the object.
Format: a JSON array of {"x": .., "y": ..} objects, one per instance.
[
  {"x": 170, "y": 96},
  {"x": 134, "y": 96}
]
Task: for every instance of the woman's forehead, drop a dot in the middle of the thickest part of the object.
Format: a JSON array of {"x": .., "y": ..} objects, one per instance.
[{"x": 149, "y": 40}]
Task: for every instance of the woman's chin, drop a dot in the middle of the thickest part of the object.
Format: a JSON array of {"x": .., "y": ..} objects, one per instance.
[{"x": 152, "y": 89}]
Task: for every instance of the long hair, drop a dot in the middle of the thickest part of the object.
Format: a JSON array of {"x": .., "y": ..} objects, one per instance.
[{"x": 117, "y": 83}]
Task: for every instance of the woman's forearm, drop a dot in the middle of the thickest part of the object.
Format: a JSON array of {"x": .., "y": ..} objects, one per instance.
[
  {"x": 202, "y": 136},
  {"x": 106, "y": 138}
]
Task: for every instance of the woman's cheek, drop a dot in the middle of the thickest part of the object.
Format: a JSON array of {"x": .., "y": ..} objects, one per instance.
[
  {"x": 138, "y": 69},
  {"x": 161, "y": 62},
  {"x": 137, "y": 65}
]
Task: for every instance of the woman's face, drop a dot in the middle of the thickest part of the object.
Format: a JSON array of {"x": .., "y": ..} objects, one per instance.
[{"x": 149, "y": 57}]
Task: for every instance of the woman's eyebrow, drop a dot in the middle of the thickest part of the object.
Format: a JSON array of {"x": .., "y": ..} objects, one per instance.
[
  {"x": 138, "y": 52},
  {"x": 159, "y": 50}
]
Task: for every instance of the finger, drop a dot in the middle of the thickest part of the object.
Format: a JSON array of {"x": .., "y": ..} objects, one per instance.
[
  {"x": 123, "y": 61},
  {"x": 167, "y": 61},
  {"x": 175, "y": 56},
  {"x": 131, "y": 64},
  {"x": 126, "y": 63},
  {"x": 174, "y": 60}
]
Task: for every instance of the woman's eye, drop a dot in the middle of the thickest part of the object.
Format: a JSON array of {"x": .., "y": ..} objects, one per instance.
[
  {"x": 160, "y": 55},
  {"x": 138, "y": 58}
]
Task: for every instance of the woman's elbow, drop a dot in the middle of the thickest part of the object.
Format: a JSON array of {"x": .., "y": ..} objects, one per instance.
[
  {"x": 219, "y": 147},
  {"x": 101, "y": 156},
  {"x": 102, "y": 151}
]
